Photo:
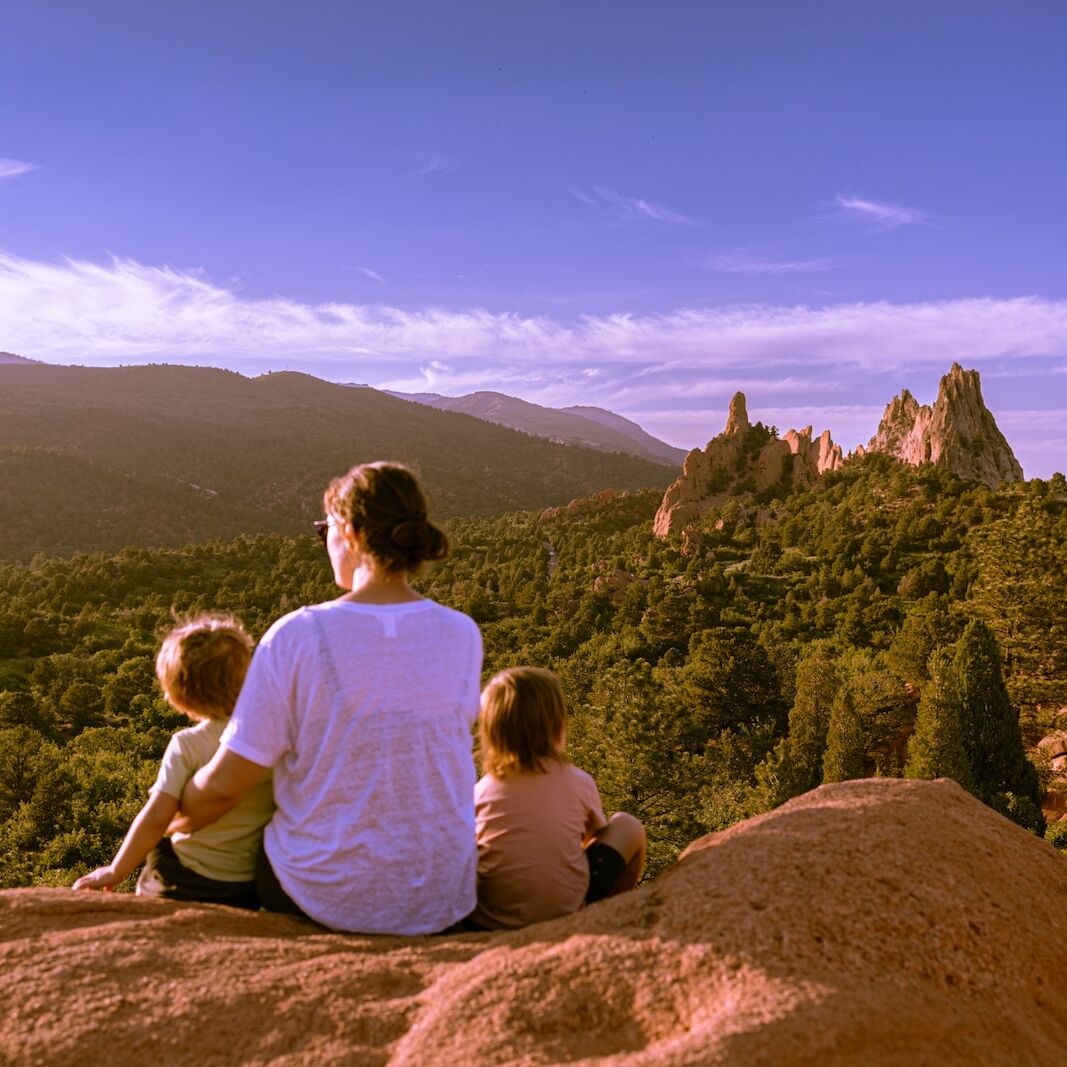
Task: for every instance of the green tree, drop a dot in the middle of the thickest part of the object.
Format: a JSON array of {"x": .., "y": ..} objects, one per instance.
[
  {"x": 809, "y": 719},
  {"x": 638, "y": 746},
  {"x": 936, "y": 749},
  {"x": 845, "y": 741},
  {"x": 928, "y": 626},
  {"x": 1018, "y": 592},
  {"x": 992, "y": 739}
]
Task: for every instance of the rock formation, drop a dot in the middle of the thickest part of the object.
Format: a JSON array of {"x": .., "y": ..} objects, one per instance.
[
  {"x": 958, "y": 433},
  {"x": 712, "y": 476},
  {"x": 873, "y": 922}
]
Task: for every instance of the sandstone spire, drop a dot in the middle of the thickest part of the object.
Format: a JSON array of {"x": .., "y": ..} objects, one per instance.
[
  {"x": 737, "y": 421},
  {"x": 957, "y": 433}
]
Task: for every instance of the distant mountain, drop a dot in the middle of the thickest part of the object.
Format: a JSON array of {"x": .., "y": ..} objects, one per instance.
[
  {"x": 162, "y": 455},
  {"x": 588, "y": 427},
  {"x": 653, "y": 446},
  {"x": 10, "y": 357}
]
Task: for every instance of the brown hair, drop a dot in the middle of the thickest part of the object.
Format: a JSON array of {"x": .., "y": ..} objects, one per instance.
[
  {"x": 521, "y": 721},
  {"x": 384, "y": 503},
  {"x": 202, "y": 663}
]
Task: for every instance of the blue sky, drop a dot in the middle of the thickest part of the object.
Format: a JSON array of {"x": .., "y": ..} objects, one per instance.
[{"x": 640, "y": 205}]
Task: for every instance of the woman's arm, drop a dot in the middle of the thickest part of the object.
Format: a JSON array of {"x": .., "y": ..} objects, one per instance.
[
  {"x": 145, "y": 832},
  {"x": 215, "y": 789}
]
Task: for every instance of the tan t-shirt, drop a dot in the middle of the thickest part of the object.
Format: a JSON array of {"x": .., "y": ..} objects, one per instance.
[
  {"x": 530, "y": 829},
  {"x": 225, "y": 850}
]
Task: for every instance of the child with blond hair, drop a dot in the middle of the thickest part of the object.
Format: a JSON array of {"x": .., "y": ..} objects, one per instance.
[
  {"x": 201, "y": 666},
  {"x": 544, "y": 846}
]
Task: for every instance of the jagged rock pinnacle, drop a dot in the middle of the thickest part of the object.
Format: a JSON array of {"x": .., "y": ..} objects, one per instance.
[{"x": 958, "y": 433}]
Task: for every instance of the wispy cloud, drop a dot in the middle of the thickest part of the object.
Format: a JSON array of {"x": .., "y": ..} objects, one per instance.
[
  {"x": 880, "y": 214},
  {"x": 11, "y": 168},
  {"x": 631, "y": 208},
  {"x": 755, "y": 261},
  {"x": 784, "y": 357},
  {"x": 366, "y": 272},
  {"x": 433, "y": 163}
]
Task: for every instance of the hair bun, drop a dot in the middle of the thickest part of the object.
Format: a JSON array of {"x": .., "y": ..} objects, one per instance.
[{"x": 411, "y": 534}]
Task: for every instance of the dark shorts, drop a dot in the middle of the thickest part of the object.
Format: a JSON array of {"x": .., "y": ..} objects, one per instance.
[
  {"x": 606, "y": 867},
  {"x": 269, "y": 889},
  {"x": 164, "y": 875}
]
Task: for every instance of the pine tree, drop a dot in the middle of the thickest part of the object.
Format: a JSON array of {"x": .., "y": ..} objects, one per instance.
[
  {"x": 809, "y": 719},
  {"x": 1019, "y": 594},
  {"x": 845, "y": 741},
  {"x": 936, "y": 749},
  {"x": 1002, "y": 775}
]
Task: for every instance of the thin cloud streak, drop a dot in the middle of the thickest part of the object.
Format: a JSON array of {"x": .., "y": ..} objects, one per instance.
[
  {"x": 745, "y": 261},
  {"x": 631, "y": 208},
  {"x": 882, "y": 215},
  {"x": 12, "y": 168},
  {"x": 433, "y": 163}
]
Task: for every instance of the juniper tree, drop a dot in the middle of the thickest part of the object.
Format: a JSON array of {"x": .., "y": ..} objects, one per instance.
[
  {"x": 1019, "y": 594},
  {"x": 809, "y": 719},
  {"x": 845, "y": 741},
  {"x": 936, "y": 749},
  {"x": 1002, "y": 776}
]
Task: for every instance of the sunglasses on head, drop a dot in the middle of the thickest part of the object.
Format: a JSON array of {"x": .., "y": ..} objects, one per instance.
[{"x": 322, "y": 528}]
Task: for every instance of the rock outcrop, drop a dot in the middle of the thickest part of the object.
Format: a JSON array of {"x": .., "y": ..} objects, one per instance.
[
  {"x": 728, "y": 463},
  {"x": 958, "y": 433},
  {"x": 872, "y": 922}
]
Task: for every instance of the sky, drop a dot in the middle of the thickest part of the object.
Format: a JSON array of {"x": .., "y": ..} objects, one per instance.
[{"x": 644, "y": 206}]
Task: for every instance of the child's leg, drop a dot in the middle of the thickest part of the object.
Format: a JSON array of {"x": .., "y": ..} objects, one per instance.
[
  {"x": 625, "y": 836},
  {"x": 164, "y": 875}
]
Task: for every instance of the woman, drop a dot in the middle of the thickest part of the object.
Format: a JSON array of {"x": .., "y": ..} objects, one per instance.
[{"x": 363, "y": 706}]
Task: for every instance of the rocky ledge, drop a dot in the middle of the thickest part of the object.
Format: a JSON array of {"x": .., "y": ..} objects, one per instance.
[{"x": 878, "y": 921}]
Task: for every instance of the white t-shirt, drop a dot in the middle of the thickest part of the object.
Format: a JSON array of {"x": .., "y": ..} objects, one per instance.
[{"x": 365, "y": 712}]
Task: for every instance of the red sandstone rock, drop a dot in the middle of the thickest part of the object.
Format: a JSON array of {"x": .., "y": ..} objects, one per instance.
[
  {"x": 958, "y": 433},
  {"x": 698, "y": 489},
  {"x": 876, "y": 922}
]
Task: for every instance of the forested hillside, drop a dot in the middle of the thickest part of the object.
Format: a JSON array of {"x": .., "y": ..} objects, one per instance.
[
  {"x": 711, "y": 678},
  {"x": 98, "y": 459}
]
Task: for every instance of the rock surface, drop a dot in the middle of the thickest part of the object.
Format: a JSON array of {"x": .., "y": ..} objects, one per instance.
[
  {"x": 875, "y": 922},
  {"x": 958, "y": 433},
  {"x": 709, "y": 477}
]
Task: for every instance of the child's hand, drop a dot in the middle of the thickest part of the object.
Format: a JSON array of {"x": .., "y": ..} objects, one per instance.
[{"x": 101, "y": 878}]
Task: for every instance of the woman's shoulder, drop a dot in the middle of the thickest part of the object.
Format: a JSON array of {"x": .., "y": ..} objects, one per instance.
[
  {"x": 457, "y": 618},
  {"x": 289, "y": 625}
]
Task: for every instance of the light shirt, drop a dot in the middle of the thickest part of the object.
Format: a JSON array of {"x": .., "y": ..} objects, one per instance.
[
  {"x": 226, "y": 850},
  {"x": 364, "y": 711},
  {"x": 530, "y": 826}
]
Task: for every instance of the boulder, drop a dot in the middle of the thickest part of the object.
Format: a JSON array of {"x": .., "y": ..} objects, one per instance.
[{"x": 879, "y": 922}]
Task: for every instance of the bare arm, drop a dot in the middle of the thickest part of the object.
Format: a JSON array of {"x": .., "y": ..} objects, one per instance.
[
  {"x": 215, "y": 789},
  {"x": 145, "y": 832}
]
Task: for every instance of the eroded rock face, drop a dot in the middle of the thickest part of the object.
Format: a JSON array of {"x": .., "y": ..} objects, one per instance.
[
  {"x": 873, "y": 922},
  {"x": 958, "y": 433},
  {"x": 709, "y": 477}
]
